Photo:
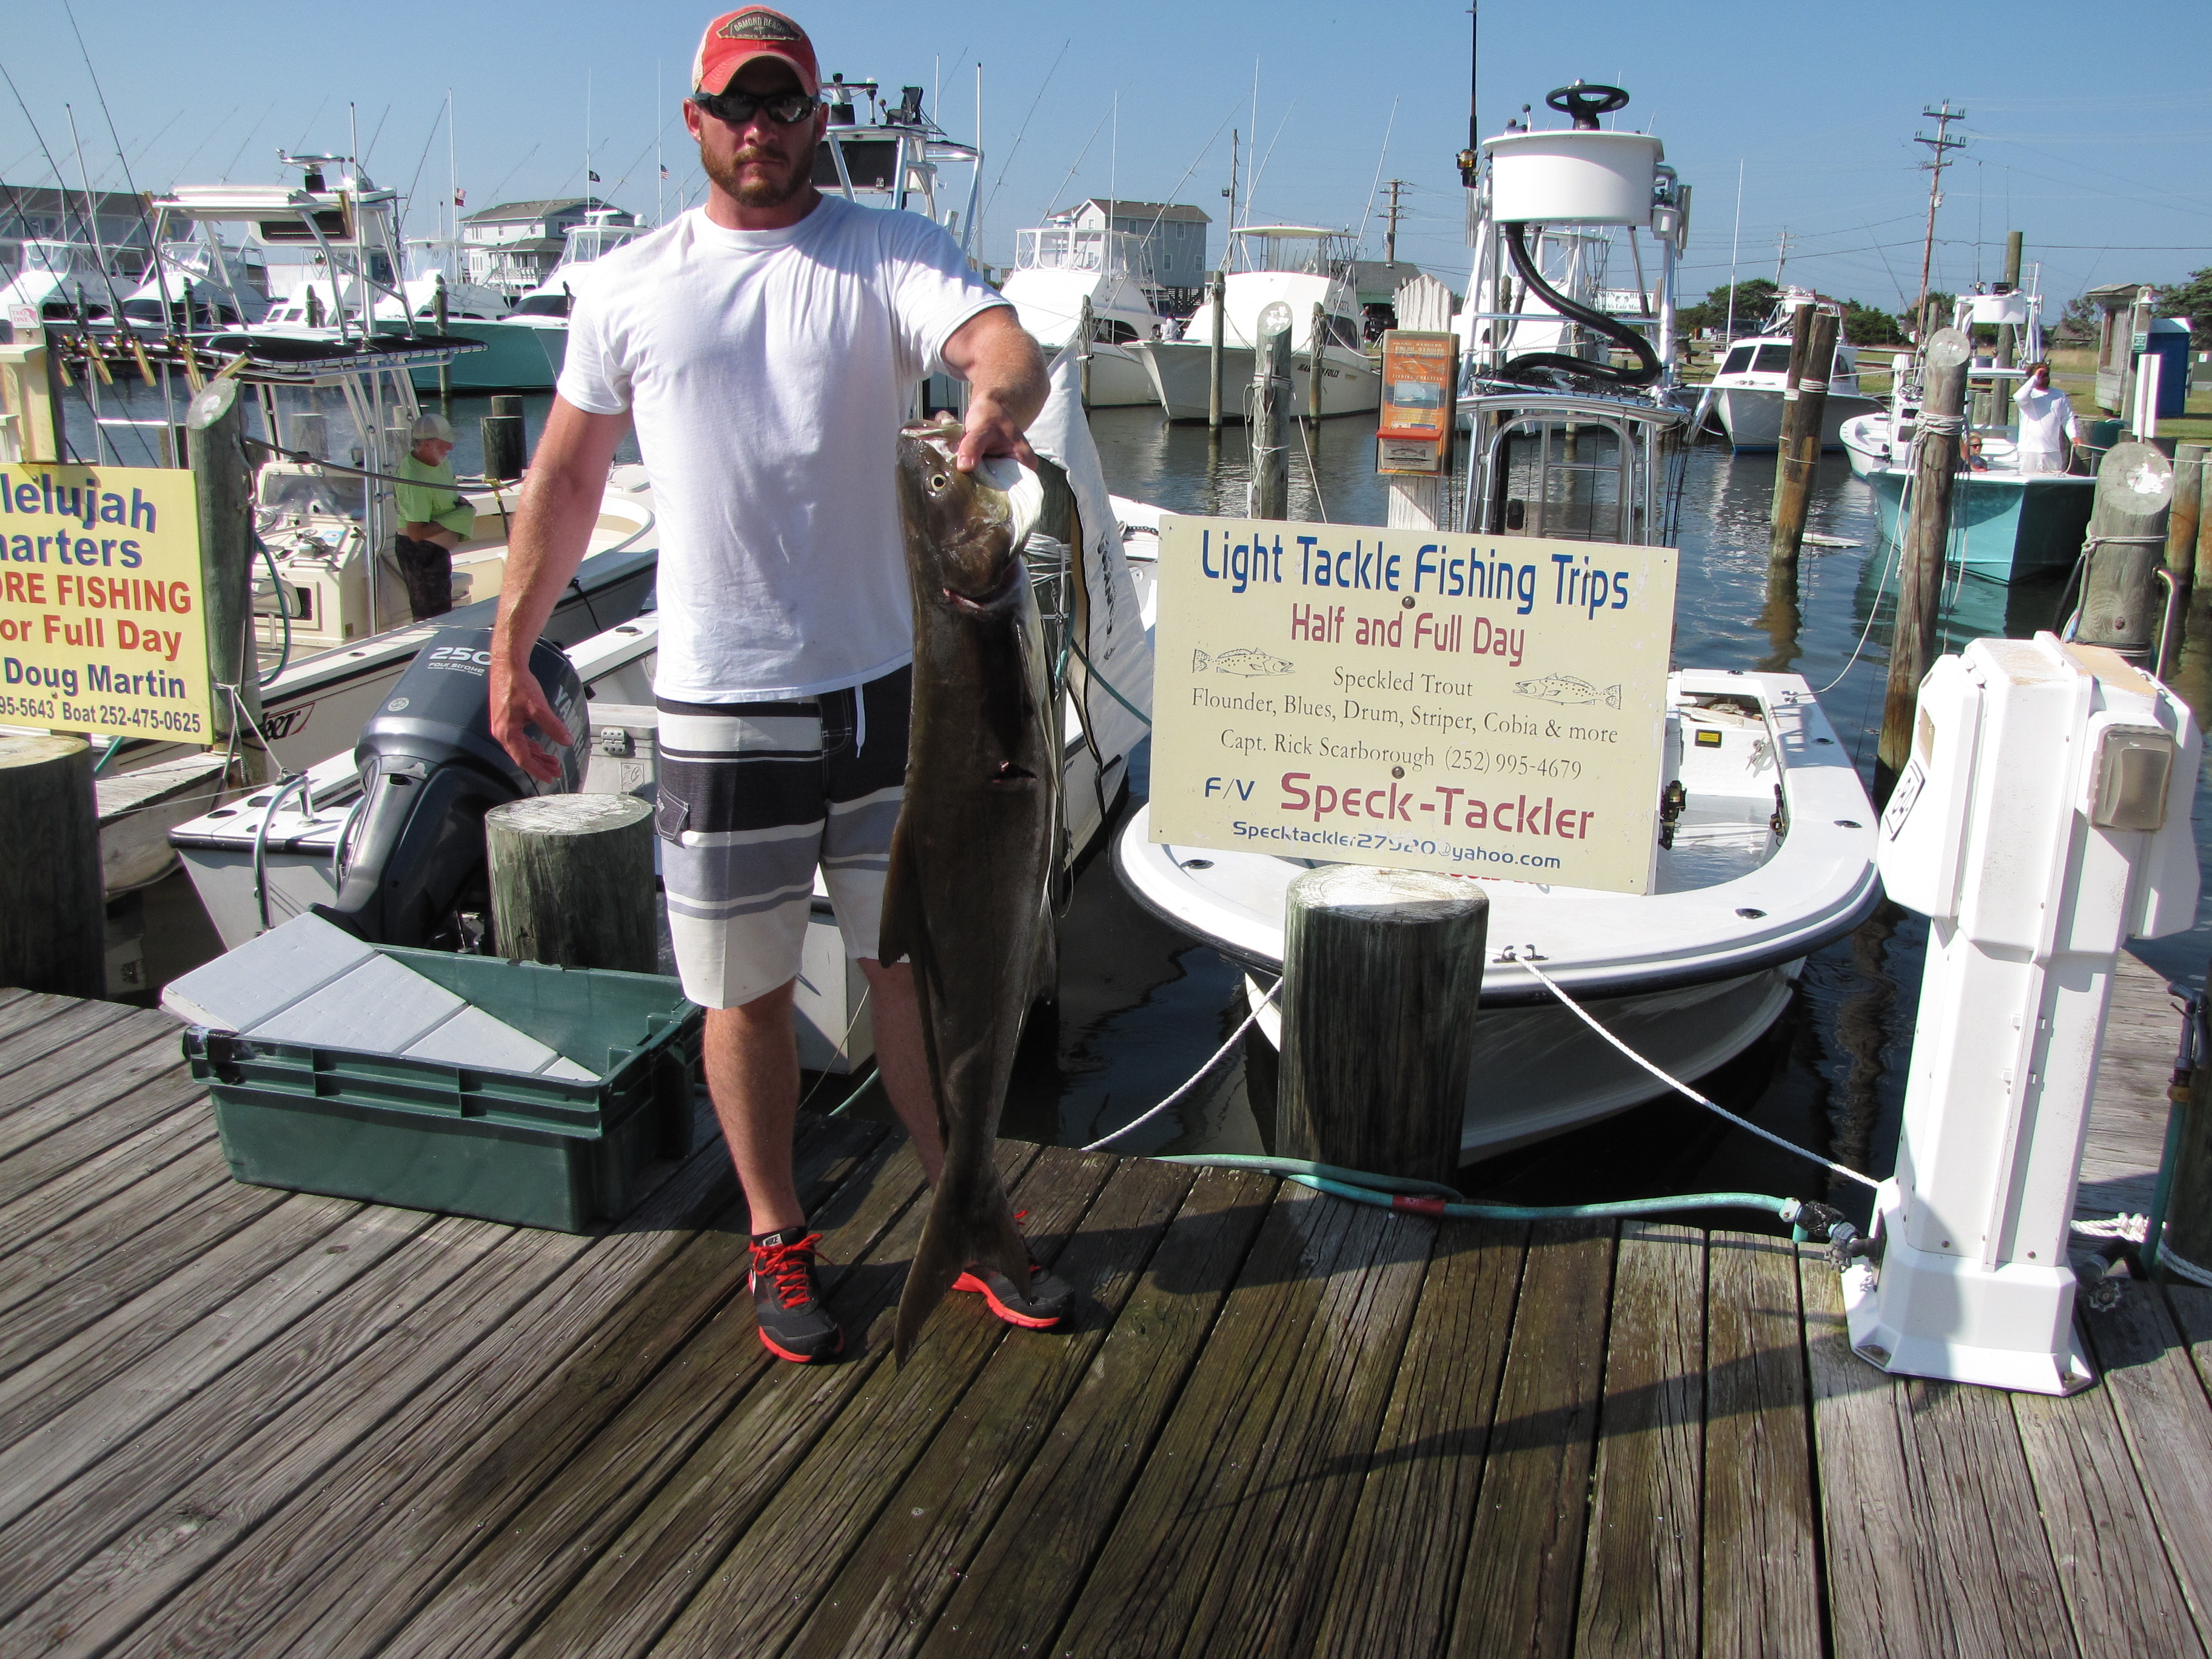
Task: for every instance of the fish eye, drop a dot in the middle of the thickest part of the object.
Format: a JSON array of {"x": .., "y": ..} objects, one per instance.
[{"x": 938, "y": 481}]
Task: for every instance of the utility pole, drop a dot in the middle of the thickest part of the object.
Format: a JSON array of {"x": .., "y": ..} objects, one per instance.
[
  {"x": 1391, "y": 236},
  {"x": 1230, "y": 241},
  {"x": 1940, "y": 144},
  {"x": 1781, "y": 254}
]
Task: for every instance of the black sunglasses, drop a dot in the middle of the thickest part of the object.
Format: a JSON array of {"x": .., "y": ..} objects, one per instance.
[{"x": 736, "y": 108}]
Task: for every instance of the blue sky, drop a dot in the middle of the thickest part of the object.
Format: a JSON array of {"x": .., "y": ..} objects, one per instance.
[{"x": 2101, "y": 152}]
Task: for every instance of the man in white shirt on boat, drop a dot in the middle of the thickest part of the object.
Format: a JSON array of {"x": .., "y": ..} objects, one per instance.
[
  {"x": 2047, "y": 427},
  {"x": 766, "y": 345}
]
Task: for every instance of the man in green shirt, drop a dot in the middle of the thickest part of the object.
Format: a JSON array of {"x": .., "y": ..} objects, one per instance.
[{"x": 434, "y": 519}]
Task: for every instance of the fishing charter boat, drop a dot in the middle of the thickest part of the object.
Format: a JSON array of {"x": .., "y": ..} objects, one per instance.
[
  {"x": 531, "y": 340},
  {"x": 2004, "y": 522},
  {"x": 1063, "y": 275},
  {"x": 58, "y": 282},
  {"x": 1746, "y": 391},
  {"x": 1765, "y": 838},
  {"x": 1309, "y": 269}
]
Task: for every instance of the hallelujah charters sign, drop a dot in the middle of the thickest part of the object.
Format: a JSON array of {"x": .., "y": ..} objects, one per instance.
[
  {"x": 1491, "y": 706},
  {"x": 101, "y": 626}
]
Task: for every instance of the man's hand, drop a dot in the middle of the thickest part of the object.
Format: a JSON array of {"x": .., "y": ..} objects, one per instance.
[
  {"x": 517, "y": 703},
  {"x": 1005, "y": 375}
]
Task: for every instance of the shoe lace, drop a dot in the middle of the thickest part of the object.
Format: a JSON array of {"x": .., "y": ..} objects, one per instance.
[{"x": 787, "y": 1267}]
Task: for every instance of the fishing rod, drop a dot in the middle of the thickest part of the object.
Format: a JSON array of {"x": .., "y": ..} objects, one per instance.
[
  {"x": 61, "y": 185},
  {"x": 1022, "y": 133}
]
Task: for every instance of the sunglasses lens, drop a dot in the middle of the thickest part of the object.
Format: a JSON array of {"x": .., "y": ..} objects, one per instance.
[{"x": 738, "y": 108}]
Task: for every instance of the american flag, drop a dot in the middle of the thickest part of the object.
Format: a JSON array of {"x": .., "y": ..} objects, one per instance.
[
  {"x": 461, "y": 198},
  {"x": 663, "y": 171}
]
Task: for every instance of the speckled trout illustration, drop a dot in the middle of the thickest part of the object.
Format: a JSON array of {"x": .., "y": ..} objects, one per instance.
[
  {"x": 1567, "y": 691},
  {"x": 968, "y": 896},
  {"x": 1243, "y": 659}
]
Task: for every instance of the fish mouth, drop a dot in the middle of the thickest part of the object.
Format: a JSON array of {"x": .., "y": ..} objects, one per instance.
[{"x": 1009, "y": 773}]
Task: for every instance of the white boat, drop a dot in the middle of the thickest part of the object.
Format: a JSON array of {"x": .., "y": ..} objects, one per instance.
[
  {"x": 1748, "y": 389},
  {"x": 1766, "y": 848},
  {"x": 1061, "y": 275},
  {"x": 57, "y": 281},
  {"x": 228, "y": 287},
  {"x": 1303, "y": 267}
]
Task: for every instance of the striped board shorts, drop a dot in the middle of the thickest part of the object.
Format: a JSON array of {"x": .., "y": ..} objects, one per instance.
[{"x": 752, "y": 797}]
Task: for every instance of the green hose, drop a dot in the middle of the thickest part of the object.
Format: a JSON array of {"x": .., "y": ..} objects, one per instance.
[{"x": 1435, "y": 1199}]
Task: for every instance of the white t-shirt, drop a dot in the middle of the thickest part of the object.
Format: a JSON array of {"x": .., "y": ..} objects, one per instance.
[
  {"x": 2046, "y": 420},
  {"x": 767, "y": 372}
]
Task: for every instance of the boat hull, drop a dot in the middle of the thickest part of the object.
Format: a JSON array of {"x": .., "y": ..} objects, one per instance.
[
  {"x": 1181, "y": 372},
  {"x": 517, "y": 358},
  {"x": 1540, "y": 1073},
  {"x": 1751, "y": 417},
  {"x": 2003, "y": 525}
]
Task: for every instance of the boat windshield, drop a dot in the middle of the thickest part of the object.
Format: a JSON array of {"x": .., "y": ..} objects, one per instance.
[
  {"x": 1773, "y": 360},
  {"x": 544, "y": 305},
  {"x": 1291, "y": 248},
  {"x": 1738, "y": 361},
  {"x": 1066, "y": 247},
  {"x": 313, "y": 494}
]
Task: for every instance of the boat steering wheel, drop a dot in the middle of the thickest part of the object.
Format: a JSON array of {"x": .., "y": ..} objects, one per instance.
[{"x": 1584, "y": 103}]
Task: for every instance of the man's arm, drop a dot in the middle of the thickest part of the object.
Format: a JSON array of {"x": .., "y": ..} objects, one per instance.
[
  {"x": 552, "y": 527},
  {"x": 1006, "y": 385}
]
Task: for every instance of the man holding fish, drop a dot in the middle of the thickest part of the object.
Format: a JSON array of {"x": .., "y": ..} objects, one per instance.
[{"x": 766, "y": 345}]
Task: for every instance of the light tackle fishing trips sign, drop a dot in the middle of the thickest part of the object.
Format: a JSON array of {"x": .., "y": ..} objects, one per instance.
[
  {"x": 1491, "y": 706},
  {"x": 102, "y": 628}
]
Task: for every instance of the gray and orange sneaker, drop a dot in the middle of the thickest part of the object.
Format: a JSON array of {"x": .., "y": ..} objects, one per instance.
[
  {"x": 1036, "y": 1306},
  {"x": 787, "y": 1299}
]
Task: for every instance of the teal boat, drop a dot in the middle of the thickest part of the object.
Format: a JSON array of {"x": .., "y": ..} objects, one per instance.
[
  {"x": 520, "y": 356},
  {"x": 2003, "y": 523}
]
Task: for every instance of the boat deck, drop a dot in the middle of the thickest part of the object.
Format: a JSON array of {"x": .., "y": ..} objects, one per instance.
[{"x": 240, "y": 1421}]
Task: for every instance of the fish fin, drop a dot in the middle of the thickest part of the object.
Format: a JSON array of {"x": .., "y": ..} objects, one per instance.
[
  {"x": 961, "y": 1229},
  {"x": 1612, "y": 696},
  {"x": 1199, "y": 660},
  {"x": 898, "y": 924}
]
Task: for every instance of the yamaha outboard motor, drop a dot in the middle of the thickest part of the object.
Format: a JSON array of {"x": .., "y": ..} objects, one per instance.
[{"x": 430, "y": 769}]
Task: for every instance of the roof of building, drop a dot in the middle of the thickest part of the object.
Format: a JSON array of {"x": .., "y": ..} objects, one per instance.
[
  {"x": 511, "y": 212},
  {"x": 2116, "y": 295},
  {"x": 1116, "y": 208},
  {"x": 527, "y": 245}
]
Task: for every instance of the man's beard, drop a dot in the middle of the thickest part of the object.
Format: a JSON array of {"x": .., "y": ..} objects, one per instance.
[{"x": 758, "y": 191}]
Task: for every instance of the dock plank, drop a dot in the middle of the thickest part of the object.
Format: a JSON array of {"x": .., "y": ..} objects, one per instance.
[
  {"x": 765, "y": 1589},
  {"x": 24, "y": 1010},
  {"x": 50, "y": 1539},
  {"x": 1145, "y": 1591},
  {"x": 1762, "y": 1556},
  {"x": 526, "y": 1564},
  {"x": 580, "y": 1339},
  {"x": 1039, "y": 1552},
  {"x": 94, "y": 1235},
  {"x": 1999, "y": 1585},
  {"x": 2158, "y": 1397},
  {"x": 132, "y": 1092},
  {"x": 31, "y": 1216},
  {"x": 1887, "y": 1596},
  {"x": 1524, "y": 1556},
  {"x": 1397, "y": 1583},
  {"x": 900, "y": 1574},
  {"x": 74, "y": 1087},
  {"x": 2119, "y": 1589},
  {"x": 639, "y": 1581},
  {"x": 68, "y": 1037},
  {"x": 1641, "y": 1573},
  {"x": 1269, "y": 1590}
]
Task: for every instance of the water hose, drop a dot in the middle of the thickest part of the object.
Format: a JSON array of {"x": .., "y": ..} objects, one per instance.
[
  {"x": 283, "y": 610},
  {"x": 1439, "y": 1202},
  {"x": 1649, "y": 368}
]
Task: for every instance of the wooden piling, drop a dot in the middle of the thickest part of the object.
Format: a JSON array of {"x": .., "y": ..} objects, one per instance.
[
  {"x": 222, "y": 482},
  {"x": 53, "y": 916},
  {"x": 503, "y": 443},
  {"x": 1084, "y": 325},
  {"x": 1383, "y": 971},
  {"x": 2184, "y": 524},
  {"x": 1798, "y": 452},
  {"x": 2123, "y": 602},
  {"x": 1270, "y": 386},
  {"x": 572, "y": 881},
  {"x": 1214, "y": 295},
  {"x": 2188, "y": 1231},
  {"x": 1920, "y": 574},
  {"x": 445, "y": 370}
]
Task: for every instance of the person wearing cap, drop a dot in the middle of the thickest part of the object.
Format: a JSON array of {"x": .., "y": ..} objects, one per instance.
[
  {"x": 434, "y": 519},
  {"x": 765, "y": 348},
  {"x": 2048, "y": 430}
]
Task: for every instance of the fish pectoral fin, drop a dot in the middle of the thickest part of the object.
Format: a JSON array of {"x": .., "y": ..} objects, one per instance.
[{"x": 898, "y": 926}]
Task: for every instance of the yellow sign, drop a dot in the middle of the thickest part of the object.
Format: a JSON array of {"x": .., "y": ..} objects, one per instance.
[
  {"x": 1491, "y": 706},
  {"x": 101, "y": 627},
  {"x": 1418, "y": 371}
]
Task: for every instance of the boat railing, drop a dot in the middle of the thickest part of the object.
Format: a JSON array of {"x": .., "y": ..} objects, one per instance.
[{"x": 1067, "y": 247}]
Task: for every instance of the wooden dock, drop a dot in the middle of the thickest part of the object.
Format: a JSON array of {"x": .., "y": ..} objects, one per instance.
[{"x": 235, "y": 1421}]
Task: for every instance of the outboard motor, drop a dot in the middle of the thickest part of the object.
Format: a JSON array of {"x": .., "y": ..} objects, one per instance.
[{"x": 430, "y": 769}]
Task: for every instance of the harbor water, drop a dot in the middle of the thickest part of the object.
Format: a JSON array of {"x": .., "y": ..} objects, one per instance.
[{"x": 1142, "y": 1008}]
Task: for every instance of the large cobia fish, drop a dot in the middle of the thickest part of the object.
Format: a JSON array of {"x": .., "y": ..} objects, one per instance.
[{"x": 967, "y": 896}]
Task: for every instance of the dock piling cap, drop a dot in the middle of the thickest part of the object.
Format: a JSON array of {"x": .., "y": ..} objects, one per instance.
[{"x": 1403, "y": 898}]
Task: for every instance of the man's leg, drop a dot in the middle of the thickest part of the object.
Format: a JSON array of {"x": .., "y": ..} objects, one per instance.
[{"x": 752, "y": 1075}]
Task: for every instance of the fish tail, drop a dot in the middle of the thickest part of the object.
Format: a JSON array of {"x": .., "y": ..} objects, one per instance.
[
  {"x": 964, "y": 1227},
  {"x": 1612, "y": 696},
  {"x": 1199, "y": 662}
]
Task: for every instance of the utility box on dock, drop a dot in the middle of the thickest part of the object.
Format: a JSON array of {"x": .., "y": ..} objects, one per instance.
[{"x": 2042, "y": 819}]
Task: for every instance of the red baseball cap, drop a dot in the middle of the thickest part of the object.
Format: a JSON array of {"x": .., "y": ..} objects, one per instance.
[{"x": 752, "y": 32}]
